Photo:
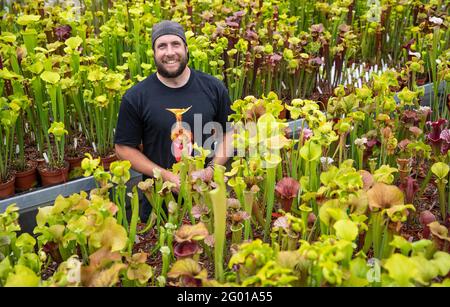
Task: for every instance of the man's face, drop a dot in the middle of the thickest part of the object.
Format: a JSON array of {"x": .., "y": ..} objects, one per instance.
[{"x": 170, "y": 56}]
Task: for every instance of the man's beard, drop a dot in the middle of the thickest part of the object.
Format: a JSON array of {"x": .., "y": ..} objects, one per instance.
[{"x": 166, "y": 74}]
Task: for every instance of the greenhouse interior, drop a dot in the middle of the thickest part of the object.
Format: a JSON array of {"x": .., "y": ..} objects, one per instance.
[{"x": 329, "y": 166}]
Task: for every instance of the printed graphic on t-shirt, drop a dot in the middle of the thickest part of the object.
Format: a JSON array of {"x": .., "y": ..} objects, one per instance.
[{"x": 180, "y": 136}]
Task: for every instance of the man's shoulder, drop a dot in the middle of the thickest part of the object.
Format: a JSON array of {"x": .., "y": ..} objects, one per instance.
[{"x": 140, "y": 89}]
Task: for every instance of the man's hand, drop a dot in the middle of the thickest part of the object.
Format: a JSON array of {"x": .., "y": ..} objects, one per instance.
[
  {"x": 142, "y": 164},
  {"x": 169, "y": 176},
  {"x": 204, "y": 175}
]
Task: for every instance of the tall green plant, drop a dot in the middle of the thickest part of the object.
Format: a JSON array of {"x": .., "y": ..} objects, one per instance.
[
  {"x": 218, "y": 198},
  {"x": 8, "y": 118}
]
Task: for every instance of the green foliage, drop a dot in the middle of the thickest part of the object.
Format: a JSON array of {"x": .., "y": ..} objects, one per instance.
[
  {"x": 50, "y": 77},
  {"x": 89, "y": 164},
  {"x": 19, "y": 264},
  {"x": 186, "y": 269},
  {"x": 311, "y": 151},
  {"x": 384, "y": 174},
  {"x": 346, "y": 230},
  {"x": 340, "y": 182},
  {"x": 76, "y": 221},
  {"x": 415, "y": 270},
  {"x": 120, "y": 171},
  {"x": 256, "y": 266},
  {"x": 440, "y": 170}
]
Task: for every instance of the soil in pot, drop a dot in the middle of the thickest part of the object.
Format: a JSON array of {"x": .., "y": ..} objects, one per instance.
[
  {"x": 27, "y": 179},
  {"x": 32, "y": 154},
  {"x": 75, "y": 154},
  {"x": 7, "y": 188},
  {"x": 53, "y": 176},
  {"x": 38, "y": 161}
]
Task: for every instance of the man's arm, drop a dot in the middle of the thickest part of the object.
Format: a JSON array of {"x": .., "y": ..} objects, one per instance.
[
  {"x": 142, "y": 164},
  {"x": 225, "y": 148}
]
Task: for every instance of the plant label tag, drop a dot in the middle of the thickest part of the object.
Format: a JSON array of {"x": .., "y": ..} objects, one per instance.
[
  {"x": 75, "y": 143},
  {"x": 45, "y": 157},
  {"x": 93, "y": 146}
]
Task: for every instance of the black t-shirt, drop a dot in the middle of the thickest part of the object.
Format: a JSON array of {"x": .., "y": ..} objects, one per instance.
[{"x": 143, "y": 117}]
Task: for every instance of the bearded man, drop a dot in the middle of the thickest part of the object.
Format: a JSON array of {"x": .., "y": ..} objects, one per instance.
[{"x": 159, "y": 112}]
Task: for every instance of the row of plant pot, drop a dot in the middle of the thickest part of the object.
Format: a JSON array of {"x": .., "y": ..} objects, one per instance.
[{"x": 25, "y": 180}]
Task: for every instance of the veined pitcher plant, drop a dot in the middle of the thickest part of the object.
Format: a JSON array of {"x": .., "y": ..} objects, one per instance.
[{"x": 384, "y": 200}]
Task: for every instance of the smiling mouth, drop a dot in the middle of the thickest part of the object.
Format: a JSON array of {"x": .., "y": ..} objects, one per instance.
[{"x": 171, "y": 62}]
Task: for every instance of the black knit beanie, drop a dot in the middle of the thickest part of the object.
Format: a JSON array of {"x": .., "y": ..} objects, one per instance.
[{"x": 166, "y": 27}]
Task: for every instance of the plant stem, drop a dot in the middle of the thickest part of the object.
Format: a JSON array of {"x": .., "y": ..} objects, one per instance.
[
  {"x": 249, "y": 198},
  {"x": 236, "y": 231},
  {"x": 218, "y": 198},
  {"x": 134, "y": 219},
  {"x": 270, "y": 189},
  {"x": 424, "y": 183},
  {"x": 442, "y": 201}
]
